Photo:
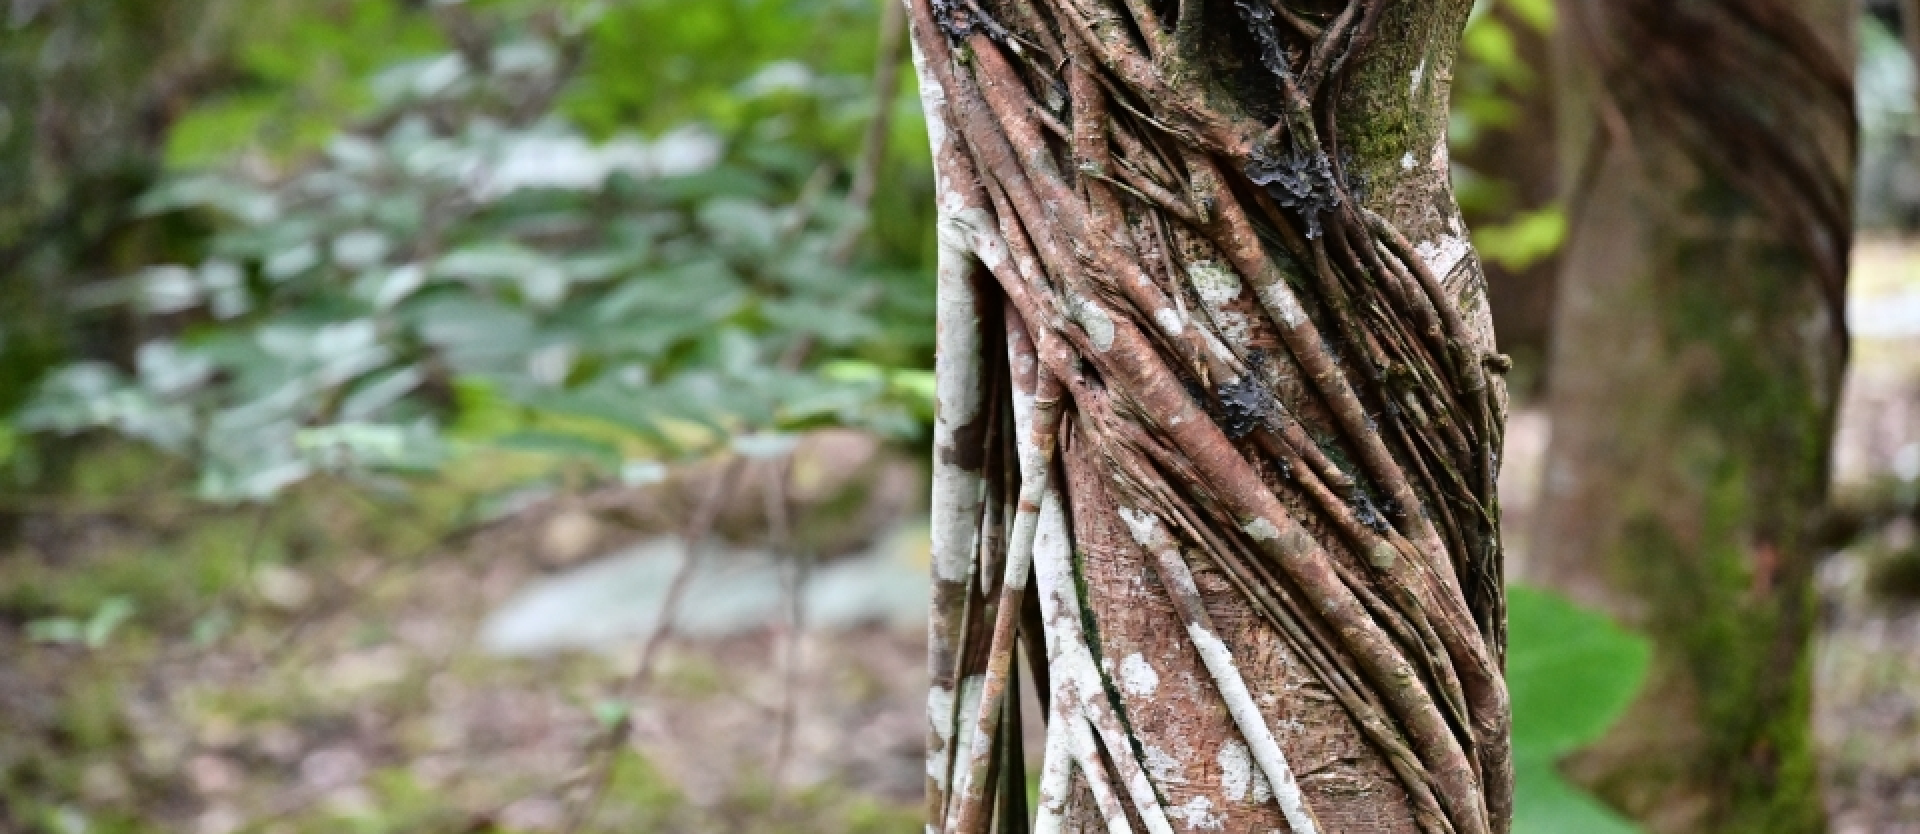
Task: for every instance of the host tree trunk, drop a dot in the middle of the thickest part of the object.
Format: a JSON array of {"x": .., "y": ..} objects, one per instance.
[
  {"x": 1218, "y": 424},
  {"x": 1696, "y": 372}
]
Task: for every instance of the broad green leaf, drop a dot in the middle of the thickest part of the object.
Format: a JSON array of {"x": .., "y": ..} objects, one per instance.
[
  {"x": 1524, "y": 240},
  {"x": 1545, "y": 804},
  {"x": 1571, "y": 673}
]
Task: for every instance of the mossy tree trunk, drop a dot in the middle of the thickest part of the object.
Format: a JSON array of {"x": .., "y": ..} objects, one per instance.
[
  {"x": 1216, "y": 374},
  {"x": 1700, "y": 343}
]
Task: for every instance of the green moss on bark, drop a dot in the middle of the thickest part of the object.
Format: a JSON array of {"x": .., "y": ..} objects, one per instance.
[{"x": 1714, "y": 540}]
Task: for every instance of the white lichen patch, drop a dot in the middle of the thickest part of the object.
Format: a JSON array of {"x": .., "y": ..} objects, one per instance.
[
  {"x": 1236, "y": 770},
  {"x": 1095, "y": 321},
  {"x": 1261, "y": 530},
  {"x": 1419, "y": 74},
  {"x": 1407, "y": 162},
  {"x": 1442, "y": 255},
  {"x": 1215, "y": 285},
  {"x": 971, "y": 688},
  {"x": 1140, "y": 523},
  {"x": 1025, "y": 364},
  {"x": 1235, "y": 326},
  {"x": 957, "y": 397},
  {"x": 1137, "y": 676},
  {"x": 987, "y": 245},
  {"x": 1239, "y": 778},
  {"x": 1164, "y": 767},
  {"x": 933, "y": 100},
  {"x": 1169, "y": 321},
  {"x": 940, "y": 715},
  {"x": 1279, "y": 301},
  {"x": 1198, "y": 815}
]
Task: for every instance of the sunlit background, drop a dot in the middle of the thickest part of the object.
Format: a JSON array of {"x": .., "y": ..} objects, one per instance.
[{"x": 370, "y": 368}]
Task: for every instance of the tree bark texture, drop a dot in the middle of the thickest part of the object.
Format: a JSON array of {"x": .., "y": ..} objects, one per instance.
[
  {"x": 1218, "y": 422},
  {"x": 1700, "y": 344}
]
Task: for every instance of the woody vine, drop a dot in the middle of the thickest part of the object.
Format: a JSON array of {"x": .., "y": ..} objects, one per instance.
[{"x": 1169, "y": 306}]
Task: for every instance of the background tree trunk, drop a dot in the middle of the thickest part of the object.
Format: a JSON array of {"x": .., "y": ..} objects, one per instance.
[
  {"x": 1216, "y": 371},
  {"x": 1700, "y": 344}
]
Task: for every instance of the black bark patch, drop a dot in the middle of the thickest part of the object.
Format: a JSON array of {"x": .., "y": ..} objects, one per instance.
[
  {"x": 1299, "y": 179},
  {"x": 1244, "y": 406},
  {"x": 969, "y": 449}
]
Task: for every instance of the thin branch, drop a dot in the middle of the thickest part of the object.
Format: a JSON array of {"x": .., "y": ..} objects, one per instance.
[{"x": 694, "y": 537}]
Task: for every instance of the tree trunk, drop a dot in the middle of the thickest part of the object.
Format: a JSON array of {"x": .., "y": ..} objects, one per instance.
[
  {"x": 1700, "y": 344},
  {"x": 1199, "y": 382}
]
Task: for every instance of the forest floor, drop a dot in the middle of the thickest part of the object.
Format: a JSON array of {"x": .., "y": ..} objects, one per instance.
[
  {"x": 1867, "y": 662},
  {"x": 169, "y": 668},
  {"x": 165, "y": 666}
]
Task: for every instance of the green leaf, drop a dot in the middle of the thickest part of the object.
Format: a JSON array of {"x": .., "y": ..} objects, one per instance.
[
  {"x": 106, "y": 620},
  {"x": 1571, "y": 673},
  {"x": 1545, "y": 804},
  {"x": 1540, "y": 14},
  {"x": 55, "y": 630},
  {"x": 1524, "y": 240},
  {"x": 93, "y": 632},
  {"x": 610, "y": 713},
  {"x": 1491, "y": 44},
  {"x": 563, "y": 445}
]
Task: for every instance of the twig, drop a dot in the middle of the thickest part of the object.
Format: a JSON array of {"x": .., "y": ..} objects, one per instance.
[
  {"x": 873, "y": 147},
  {"x": 780, "y": 526},
  {"x": 695, "y": 535}
]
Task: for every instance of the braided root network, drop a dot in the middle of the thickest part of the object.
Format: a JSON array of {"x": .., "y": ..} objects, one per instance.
[{"x": 1171, "y": 331}]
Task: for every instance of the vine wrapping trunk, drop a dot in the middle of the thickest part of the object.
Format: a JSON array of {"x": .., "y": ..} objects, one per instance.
[{"x": 1218, "y": 422}]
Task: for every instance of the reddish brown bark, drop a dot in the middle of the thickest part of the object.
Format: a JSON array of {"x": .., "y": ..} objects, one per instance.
[{"x": 1269, "y": 579}]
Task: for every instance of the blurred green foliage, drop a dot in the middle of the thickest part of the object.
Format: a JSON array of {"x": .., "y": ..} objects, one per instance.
[
  {"x": 1492, "y": 68},
  {"x": 1492, "y": 82},
  {"x": 301, "y": 70},
  {"x": 466, "y": 255},
  {"x": 86, "y": 92},
  {"x": 1887, "y": 190},
  {"x": 1524, "y": 240}
]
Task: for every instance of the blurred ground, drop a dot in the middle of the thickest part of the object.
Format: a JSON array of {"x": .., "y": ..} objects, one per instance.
[
  {"x": 1867, "y": 672},
  {"x": 342, "y": 687},
  {"x": 169, "y": 667}
]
